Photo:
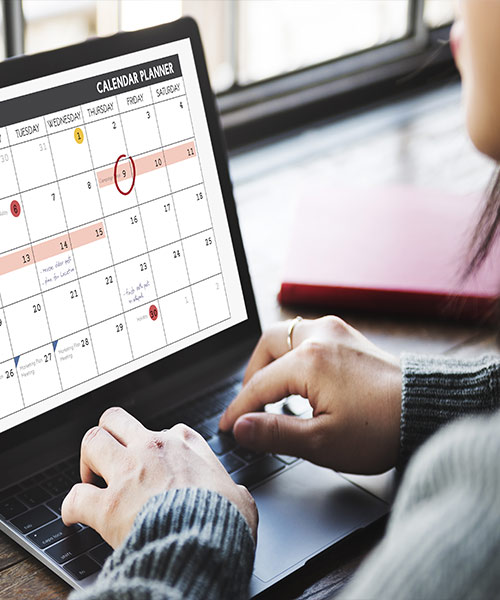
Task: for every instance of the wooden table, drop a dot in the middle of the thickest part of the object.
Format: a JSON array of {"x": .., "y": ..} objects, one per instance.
[{"x": 391, "y": 145}]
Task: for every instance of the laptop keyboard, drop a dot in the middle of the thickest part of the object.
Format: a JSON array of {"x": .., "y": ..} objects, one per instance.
[{"x": 33, "y": 506}]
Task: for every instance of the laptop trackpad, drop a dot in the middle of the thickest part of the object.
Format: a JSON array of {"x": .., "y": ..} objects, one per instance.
[{"x": 306, "y": 510}]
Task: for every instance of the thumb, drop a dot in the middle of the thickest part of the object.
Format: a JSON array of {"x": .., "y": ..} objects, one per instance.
[
  {"x": 83, "y": 504},
  {"x": 281, "y": 434}
]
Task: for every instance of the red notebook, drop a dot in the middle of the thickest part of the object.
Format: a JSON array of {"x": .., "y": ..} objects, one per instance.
[{"x": 397, "y": 250}]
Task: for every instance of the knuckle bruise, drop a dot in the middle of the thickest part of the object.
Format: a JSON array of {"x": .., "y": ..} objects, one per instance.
[{"x": 155, "y": 442}]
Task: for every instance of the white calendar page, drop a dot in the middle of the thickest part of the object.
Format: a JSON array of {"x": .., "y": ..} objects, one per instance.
[{"x": 115, "y": 249}]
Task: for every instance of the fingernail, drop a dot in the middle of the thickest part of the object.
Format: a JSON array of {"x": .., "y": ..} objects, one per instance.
[{"x": 245, "y": 431}]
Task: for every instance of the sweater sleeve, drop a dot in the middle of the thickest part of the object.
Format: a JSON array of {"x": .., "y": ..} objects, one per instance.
[
  {"x": 437, "y": 390},
  {"x": 443, "y": 537},
  {"x": 185, "y": 543}
]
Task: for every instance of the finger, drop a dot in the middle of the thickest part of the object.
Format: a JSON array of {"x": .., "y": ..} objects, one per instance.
[
  {"x": 83, "y": 505},
  {"x": 122, "y": 425},
  {"x": 272, "y": 345},
  {"x": 100, "y": 455},
  {"x": 281, "y": 434},
  {"x": 275, "y": 381}
]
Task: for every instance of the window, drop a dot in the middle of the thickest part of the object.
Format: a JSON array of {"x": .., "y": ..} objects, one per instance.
[
  {"x": 281, "y": 36},
  {"x": 53, "y": 23},
  {"x": 138, "y": 15},
  {"x": 246, "y": 41},
  {"x": 266, "y": 57},
  {"x": 439, "y": 12}
]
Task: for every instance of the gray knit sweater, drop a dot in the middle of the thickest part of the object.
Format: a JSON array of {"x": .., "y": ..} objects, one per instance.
[{"x": 442, "y": 541}]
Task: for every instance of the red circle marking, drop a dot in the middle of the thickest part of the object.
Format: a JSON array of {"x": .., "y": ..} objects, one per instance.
[
  {"x": 15, "y": 208},
  {"x": 153, "y": 312},
  {"x": 133, "y": 174}
]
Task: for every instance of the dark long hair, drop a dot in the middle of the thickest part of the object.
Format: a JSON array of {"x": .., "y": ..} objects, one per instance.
[
  {"x": 484, "y": 235},
  {"x": 487, "y": 228}
]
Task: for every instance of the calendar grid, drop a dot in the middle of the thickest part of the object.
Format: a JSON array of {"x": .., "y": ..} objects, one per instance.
[
  {"x": 12, "y": 351},
  {"x": 69, "y": 127},
  {"x": 210, "y": 213},
  {"x": 35, "y": 307},
  {"x": 73, "y": 256},
  {"x": 104, "y": 269},
  {"x": 112, "y": 214},
  {"x": 119, "y": 366},
  {"x": 145, "y": 239},
  {"x": 92, "y": 171},
  {"x": 177, "y": 220},
  {"x": 110, "y": 194},
  {"x": 128, "y": 311},
  {"x": 109, "y": 244}
]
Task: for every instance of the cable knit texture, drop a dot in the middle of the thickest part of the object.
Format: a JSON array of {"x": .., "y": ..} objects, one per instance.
[
  {"x": 437, "y": 390},
  {"x": 185, "y": 543},
  {"x": 443, "y": 538}
]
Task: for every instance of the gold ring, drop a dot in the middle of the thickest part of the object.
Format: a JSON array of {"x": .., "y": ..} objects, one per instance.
[{"x": 291, "y": 327}]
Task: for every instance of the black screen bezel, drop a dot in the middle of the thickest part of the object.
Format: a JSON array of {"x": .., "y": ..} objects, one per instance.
[{"x": 25, "y": 68}]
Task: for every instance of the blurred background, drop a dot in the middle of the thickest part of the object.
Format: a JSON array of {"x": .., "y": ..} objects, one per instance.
[
  {"x": 257, "y": 50},
  {"x": 246, "y": 40},
  {"x": 315, "y": 96}
]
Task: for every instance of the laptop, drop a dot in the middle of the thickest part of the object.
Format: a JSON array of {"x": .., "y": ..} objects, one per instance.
[{"x": 123, "y": 281}]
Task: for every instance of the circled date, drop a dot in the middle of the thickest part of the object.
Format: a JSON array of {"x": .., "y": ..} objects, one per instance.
[{"x": 15, "y": 208}]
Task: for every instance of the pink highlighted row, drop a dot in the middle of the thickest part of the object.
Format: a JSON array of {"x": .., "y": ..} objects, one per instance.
[
  {"x": 147, "y": 163},
  {"x": 50, "y": 248}
]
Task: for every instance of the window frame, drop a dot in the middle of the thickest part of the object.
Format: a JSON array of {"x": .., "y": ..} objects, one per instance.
[
  {"x": 13, "y": 25},
  {"x": 270, "y": 107},
  {"x": 334, "y": 88}
]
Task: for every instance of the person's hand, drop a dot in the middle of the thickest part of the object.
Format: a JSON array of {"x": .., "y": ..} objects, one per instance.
[
  {"x": 353, "y": 387},
  {"x": 136, "y": 464}
]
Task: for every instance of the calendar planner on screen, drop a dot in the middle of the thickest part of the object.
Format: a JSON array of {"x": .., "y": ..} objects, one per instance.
[{"x": 115, "y": 249}]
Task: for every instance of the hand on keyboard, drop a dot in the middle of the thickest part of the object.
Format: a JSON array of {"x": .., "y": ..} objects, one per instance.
[
  {"x": 353, "y": 387},
  {"x": 136, "y": 464}
]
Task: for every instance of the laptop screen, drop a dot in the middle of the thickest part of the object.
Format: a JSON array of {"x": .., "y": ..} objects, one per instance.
[{"x": 115, "y": 248}]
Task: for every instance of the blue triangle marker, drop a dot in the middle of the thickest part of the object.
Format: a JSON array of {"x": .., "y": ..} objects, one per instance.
[
  {"x": 54, "y": 345},
  {"x": 16, "y": 360}
]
